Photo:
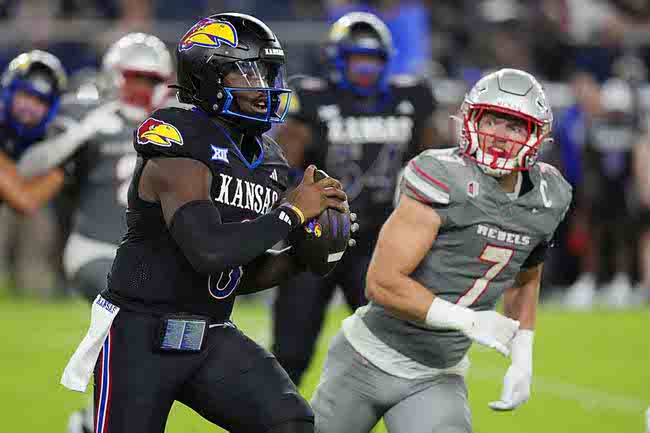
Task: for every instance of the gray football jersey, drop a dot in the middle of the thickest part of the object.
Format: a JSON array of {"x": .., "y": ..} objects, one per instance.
[
  {"x": 103, "y": 170},
  {"x": 484, "y": 240}
]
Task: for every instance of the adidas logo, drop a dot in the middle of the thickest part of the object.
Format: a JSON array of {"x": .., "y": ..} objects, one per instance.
[
  {"x": 284, "y": 217},
  {"x": 274, "y": 175}
]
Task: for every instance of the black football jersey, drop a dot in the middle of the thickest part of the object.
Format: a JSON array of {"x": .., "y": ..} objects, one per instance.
[
  {"x": 364, "y": 146},
  {"x": 150, "y": 269}
]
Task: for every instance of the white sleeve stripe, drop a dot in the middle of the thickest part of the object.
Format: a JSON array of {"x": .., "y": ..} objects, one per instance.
[{"x": 429, "y": 191}]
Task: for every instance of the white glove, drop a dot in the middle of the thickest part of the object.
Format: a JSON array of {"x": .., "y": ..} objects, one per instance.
[
  {"x": 488, "y": 328},
  {"x": 516, "y": 383}
]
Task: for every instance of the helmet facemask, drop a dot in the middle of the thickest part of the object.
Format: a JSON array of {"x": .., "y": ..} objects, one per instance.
[
  {"x": 31, "y": 89},
  {"x": 506, "y": 141},
  {"x": 140, "y": 93},
  {"x": 255, "y": 90},
  {"x": 362, "y": 69}
]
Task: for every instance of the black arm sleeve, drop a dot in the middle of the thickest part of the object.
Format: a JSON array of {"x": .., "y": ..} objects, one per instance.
[
  {"x": 536, "y": 256},
  {"x": 212, "y": 247}
]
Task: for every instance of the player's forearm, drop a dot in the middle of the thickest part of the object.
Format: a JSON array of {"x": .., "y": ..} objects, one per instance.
[
  {"x": 26, "y": 196},
  {"x": 268, "y": 270},
  {"x": 42, "y": 188},
  {"x": 399, "y": 294},
  {"x": 53, "y": 152},
  {"x": 520, "y": 303},
  {"x": 212, "y": 247}
]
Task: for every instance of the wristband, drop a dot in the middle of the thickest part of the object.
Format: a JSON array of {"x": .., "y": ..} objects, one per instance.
[
  {"x": 297, "y": 211},
  {"x": 444, "y": 314}
]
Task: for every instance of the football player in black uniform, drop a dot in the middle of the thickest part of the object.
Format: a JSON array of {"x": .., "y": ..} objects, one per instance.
[
  {"x": 29, "y": 101},
  {"x": 360, "y": 126},
  {"x": 205, "y": 204},
  {"x": 97, "y": 144}
]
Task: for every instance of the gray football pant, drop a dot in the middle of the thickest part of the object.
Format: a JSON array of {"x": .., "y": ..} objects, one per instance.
[
  {"x": 353, "y": 395},
  {"x": 90, "y": 279}
]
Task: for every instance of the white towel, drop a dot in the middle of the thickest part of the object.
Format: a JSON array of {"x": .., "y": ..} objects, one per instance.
[{"x": 82, "y": 363}]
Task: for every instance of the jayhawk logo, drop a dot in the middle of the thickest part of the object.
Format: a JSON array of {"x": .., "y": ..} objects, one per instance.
[
  {"x": 209, "y": 33},
  {"x": 153, "y": 131},
  {"x": 314, "y": 227}
]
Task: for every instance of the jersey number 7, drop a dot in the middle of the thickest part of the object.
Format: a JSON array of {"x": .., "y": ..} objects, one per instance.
[{"x": 499, "y": 257}]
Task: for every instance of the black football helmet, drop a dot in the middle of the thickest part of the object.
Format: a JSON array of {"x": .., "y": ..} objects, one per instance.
[
  {"x": 358, "y": 33},
  {"x": 229, "y": 43}
]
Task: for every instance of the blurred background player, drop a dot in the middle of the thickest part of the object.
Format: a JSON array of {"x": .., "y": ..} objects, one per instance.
[
  {"x": 605, "y": 200},
  {"x": 30, "y": 97},
  {"x": 642, "y": 180},
  {"x": 473, "y": 223},
  {"x": 136, "y": 70},
  {"x": 360, "y": 125}
]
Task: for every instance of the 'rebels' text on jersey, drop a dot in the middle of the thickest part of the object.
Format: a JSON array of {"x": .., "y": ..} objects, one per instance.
[
  {"x": 241, "y": 190},
  {"x": 484, "y": 239},
  {"x": 363, "y": 145},
  {"x": 479, "y": 220}
]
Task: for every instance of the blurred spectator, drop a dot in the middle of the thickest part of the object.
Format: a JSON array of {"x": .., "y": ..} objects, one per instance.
[
  {"x": 603, "y": 200},
  {"x": 642, "y": 177},
  {"x": 571, "y": 247},
  {"x": 30, "y": 95},
  {"x": 107, "y": 9},
  {"x": 187, "y": 10}
]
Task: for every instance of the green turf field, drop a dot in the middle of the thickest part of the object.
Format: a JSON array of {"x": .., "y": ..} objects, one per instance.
[{"x": 592, "y": 371}]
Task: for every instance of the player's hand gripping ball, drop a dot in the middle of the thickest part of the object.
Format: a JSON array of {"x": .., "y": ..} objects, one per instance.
[{"x": 320, "y": 243}]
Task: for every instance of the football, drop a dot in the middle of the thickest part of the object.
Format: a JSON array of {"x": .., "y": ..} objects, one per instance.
[{"x": 320, "y": 243}]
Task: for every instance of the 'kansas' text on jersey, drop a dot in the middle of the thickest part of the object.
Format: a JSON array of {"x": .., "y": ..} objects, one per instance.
[
  {"x": 363, "y": 145},
  {"x": 150, "y": 267}
]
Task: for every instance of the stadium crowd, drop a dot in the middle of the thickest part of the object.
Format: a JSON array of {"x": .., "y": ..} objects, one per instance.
[
  {"x": 592, "y": 56},
  {"x": 80, "y": 76}
]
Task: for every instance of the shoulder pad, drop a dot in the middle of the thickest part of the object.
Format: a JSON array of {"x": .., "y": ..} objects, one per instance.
[
  {"x": 307, "y": 93},
  {"x": 76, "y": 110},
  {"x": 171, "y": 132},
  {"x": 404, "y": 80},
  {"x": 426, "y": 178},
  {"x": 274, "y": 148},
  {"x": 310, "y": 84}
]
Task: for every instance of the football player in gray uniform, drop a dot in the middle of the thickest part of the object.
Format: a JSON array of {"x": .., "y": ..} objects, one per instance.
[
  {"x": 473, "y": 223},
  {"x": 97, "y": 146}
]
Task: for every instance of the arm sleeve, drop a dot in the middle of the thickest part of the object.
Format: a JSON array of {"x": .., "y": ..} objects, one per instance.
[
  {"x": 53, "y": 151},
  {"x": 537, "y": 256},
  {"x": 212, "y": 247}
]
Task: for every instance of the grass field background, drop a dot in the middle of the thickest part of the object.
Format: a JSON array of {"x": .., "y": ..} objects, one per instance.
[{"x": 592, "y": 370}]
